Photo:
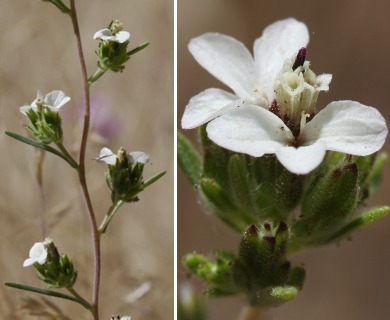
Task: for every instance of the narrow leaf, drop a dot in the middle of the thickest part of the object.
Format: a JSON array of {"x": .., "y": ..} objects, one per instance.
[
  {"x": 138, "y": 48},
  {"x": 153, "y": 179},
  {"x": 47, "y": 293},
  {"x": 40, "y": 146}
]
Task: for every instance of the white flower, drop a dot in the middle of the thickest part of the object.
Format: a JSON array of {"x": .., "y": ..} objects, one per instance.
[
  {"x": 106, "y": 35},
  {"x": 108, "y": 157},
  {"x": 53, "y": 100},
  {"x": 343, "y": 126},
  {"x": 251, "y": 78},
  {"x": 277, "y": 84},
  {"x": 38, "y": 253}
]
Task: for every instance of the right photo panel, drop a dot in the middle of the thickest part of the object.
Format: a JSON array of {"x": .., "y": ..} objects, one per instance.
[{"x": 282, "y": 190}]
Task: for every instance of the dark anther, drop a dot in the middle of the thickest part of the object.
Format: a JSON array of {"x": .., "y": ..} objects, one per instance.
[{"x": 300, "y": 59}]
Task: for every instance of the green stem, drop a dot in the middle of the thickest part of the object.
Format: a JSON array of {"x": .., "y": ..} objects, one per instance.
[
  {"x": 67, "y": 155},
  {"x": 99, "y": 72},
  {"x": 81, "y": 170},
  {"x": 110, "y": 214},
  {"x": 249, "y": 313},
  {"x": 79, "y": 298}
]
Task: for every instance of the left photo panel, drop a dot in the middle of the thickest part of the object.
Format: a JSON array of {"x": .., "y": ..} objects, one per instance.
[{"x": 87, "y": 125}]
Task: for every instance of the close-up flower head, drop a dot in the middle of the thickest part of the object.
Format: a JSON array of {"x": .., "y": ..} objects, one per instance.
[{"x": 273, "y": 108}]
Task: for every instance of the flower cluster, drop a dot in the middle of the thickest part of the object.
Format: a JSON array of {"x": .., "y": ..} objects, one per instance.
[
  {"x": 112, "y": 51},
  {"x": 273, "y": 110},
  {"x": 124, "y": 175},
  {"x": 45, "y": 122},
  {"x": 56, "y": 270}
]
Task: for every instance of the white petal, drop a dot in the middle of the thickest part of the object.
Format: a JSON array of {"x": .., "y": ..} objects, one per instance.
[
  {"x": 56, "y": 99},
  {"x": 206, "y": 106},
  {"x": 104, "y": 33},
  {"x": 37, "y": 253},
  {"x": 301, "y": 160},
  {"x": 139, "y": 156},
  {"x": 125, "y": 318},
  {"x": 249, "y": 129},
  {"x": 226, "y": 59},
  {"x": 28, "y": 262},
  {"x": 349, "y": 127},
  {"x": 122, "y": 36},
  {"x": 106, "y": 156},
  {"x": 279, "y": 41},
  {"x": 24, "y": 109},
  {"x": 324, "y": 80}
]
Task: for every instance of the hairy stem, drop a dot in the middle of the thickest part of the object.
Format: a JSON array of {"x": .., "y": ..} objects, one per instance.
[
  {"x": 81, "y": 169},
  {"x": 249, "y": 313}
]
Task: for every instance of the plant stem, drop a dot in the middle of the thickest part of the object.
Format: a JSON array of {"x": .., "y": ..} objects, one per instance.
[
  {"x": 99, "y": 72},
  {"x": 67, "y": 155},
  {"x": 110, "y": 214},
  {"x": 39, "y": 158},
  {"x": 249, "y": 313},
  {"x": 81, "y": 169},
  {"x": 78, "y": 297}
]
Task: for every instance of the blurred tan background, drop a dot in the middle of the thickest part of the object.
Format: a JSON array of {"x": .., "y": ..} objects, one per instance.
[
  {"x": 38, "y": 52},
  {"x": 351, "y": 40}
]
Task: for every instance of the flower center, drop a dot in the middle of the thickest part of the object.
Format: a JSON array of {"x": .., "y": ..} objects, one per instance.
[{"x": 297, "y": 88}]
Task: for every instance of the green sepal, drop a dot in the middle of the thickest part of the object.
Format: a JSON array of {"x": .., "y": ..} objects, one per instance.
[
  {"x": 370, "y": 173},
  {"x": 220, "y": 203},
  {"x": 215, "y": 160},
  {"x": 273, "y": 296},
  {"x": 327, "y": 205},
  {"x": 189, "y": 159},
  {"x": 214, "y": 272},
  {"x": 364, "y": 219}
]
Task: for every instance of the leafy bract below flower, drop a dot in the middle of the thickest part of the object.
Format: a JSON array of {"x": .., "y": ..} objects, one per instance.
[
  {"x": 53, "y": 101},
  {"x": 273, "y": 108},
  {"x": 38, "y": 253},
  {"x": 108, "y": 157}
]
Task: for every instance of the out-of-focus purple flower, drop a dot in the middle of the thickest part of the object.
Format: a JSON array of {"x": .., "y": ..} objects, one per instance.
[{"x": 104, "y": 126}]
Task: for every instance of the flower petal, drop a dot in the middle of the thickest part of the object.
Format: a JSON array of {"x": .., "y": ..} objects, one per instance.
[
  {"x": 279, "y": 41},
  {"x": 227, "y": 59},
  {"x": 56, "y": 99},
  {"x": 106, "y": 156},
  {"x": 139, "y": 156},
  {"x": 103, "y": 34},
  {"x": 206, "y": 106},
  {"x": 349, "y": 127},
  {"x": 301, "y": 160},
  {"x": 251, "y": 130},
  {"x": 122, "y": 36}
]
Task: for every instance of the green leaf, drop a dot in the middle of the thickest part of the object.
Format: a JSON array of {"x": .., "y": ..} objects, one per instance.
[
  {"x": 47, "y": 293},
  {"x": 189, "y": 159},
  {"x": 138, "y": 48},
  {"x": 41, "y": 146},
  {"x": 153, "y": 179}
]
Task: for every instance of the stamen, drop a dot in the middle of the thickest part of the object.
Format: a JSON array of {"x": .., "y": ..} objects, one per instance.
[
  {"x": 304, "y": 117},
  {"x": 300, "y": 59}
]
